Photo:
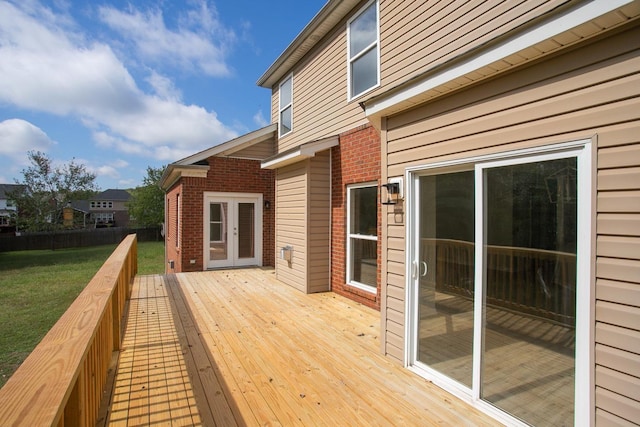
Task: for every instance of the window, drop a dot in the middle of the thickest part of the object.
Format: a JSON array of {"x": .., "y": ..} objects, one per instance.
[
  {"x": 286, "y": 106},
  {"x": 362, "y": 236},
  {"x": 363, "y": 51}
]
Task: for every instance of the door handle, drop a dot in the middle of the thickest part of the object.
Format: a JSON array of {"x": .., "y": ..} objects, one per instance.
[
  {"x": 414, "y": 270},
  {"x": 423, "y": 264}
]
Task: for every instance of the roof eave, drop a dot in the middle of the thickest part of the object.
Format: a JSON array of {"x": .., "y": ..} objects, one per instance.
[{"x": 321, "y": 24}]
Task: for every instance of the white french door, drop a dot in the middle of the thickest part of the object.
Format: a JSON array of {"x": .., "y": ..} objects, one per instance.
[
  {"x": 499, "y": 284},
  {"x": 232, "y": 230}
]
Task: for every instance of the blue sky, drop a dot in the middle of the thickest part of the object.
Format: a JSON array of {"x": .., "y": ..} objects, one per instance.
[{"x": 122, "y": 85}]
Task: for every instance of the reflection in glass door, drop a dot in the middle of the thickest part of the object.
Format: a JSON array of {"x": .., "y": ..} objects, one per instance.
[
  {"x": 233, "y": 226},
  {"x": 494, "y": 283},
  {"x": 446, "y": 273},
  {"x": 528, "y": 325}
]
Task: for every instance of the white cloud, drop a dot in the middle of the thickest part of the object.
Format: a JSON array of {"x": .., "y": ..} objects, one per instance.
[
  {"x": 46, "y": 67},
  {"x": 258, "y": 118},
  {"x": 200, "y": 41},
  {"x": 17, "y": 137},
  {"x": 164, "y": 87}
]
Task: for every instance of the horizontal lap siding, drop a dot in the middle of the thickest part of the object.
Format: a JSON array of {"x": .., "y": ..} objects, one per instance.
[
  {"x": 320, "y": 107},
  {"x": 319, "y": 224},
  {"x": 420, "y": 35},
  {"x": 291, "y": 218},
  {"x": 589, "y": 92}
]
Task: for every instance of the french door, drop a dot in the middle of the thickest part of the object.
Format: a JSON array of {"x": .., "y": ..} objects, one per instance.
[
  {"x": 232, "y": 230},
  {"x": 499, "y": 282}
]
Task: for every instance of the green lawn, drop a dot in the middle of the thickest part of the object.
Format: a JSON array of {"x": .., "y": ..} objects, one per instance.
[{"x": 36, "y": 287}]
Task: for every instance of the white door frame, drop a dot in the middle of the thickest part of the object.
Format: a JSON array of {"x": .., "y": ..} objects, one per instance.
[{"x": 232, "y": 199}]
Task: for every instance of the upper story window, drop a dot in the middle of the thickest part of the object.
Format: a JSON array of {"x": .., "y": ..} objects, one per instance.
[
  {"x": 286, "y": 106},
  {"x": 363, "y": 40},
  {"x": 103, "y": 204}
]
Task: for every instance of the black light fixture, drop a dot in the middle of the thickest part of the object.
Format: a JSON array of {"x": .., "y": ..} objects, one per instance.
[
  {"x": 267, "y": 204},
  {"x": 392, "y": 190}
]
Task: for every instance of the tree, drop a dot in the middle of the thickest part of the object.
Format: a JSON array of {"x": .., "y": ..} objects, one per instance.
[
  {"x": 146, "y": 205},
  {"x": 47, "y": 190}
]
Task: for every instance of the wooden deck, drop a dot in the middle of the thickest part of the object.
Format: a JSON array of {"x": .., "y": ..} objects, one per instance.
[{"x": 237, "y": 347}]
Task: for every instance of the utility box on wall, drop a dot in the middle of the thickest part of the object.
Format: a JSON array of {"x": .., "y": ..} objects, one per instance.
[{"x": 286, "y": 253}]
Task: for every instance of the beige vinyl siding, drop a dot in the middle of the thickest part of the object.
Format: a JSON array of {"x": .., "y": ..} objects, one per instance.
[
  {"x": 420, "y": 35},
  {"x": 303, "y": 192},
  {"x": 291, "y": 218},
  {"x": 258, "y": 151},
  {"x": 318, "y": 227},
  {"x": 589, "y": 92},
  {"x": 320, "y": 107}
]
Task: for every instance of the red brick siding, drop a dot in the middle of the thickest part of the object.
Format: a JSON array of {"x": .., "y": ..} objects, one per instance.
[
  {"x": 356, "y": 160},
  {"x": 225, "y": 175}
]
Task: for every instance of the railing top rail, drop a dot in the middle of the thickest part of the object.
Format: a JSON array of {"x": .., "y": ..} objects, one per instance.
[{"x": 36, "y": 394}]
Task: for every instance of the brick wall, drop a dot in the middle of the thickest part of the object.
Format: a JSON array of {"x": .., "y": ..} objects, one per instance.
[
  {"x": 225, "y": 175},
  {"x": 355, "y": 160}
]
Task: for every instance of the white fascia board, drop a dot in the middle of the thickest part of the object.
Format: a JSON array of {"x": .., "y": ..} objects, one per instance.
[
  {"x": 304, "y": 151},
  {"x": 174, "y": 172},
  {"x": 545, "y": 30},
  {"x": 231, "y": 146}
]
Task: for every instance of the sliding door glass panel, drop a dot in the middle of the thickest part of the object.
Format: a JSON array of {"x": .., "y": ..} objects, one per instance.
[
  {"x": 218, "y": 249},
  {"x": 246, "y": 230},
  {"x": 528, "y": 320},
  {"x": 446, "y": 274}
]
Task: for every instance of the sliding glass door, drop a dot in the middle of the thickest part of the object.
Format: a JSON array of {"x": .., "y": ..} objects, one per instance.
[{"x": 494, "y": 282}]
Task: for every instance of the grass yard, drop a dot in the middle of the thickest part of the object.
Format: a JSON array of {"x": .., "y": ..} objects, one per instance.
[{"x": 36, "y": 287}]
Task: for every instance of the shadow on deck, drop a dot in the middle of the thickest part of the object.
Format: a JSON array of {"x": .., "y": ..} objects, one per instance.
[{"x": 237, "y": 347}]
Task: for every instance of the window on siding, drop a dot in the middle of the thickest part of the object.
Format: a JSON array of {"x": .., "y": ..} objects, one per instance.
[
  {"x": 363, "y": 50},
  {"x": 362, "y": 236},
  {"x": 286, "y": 106}
]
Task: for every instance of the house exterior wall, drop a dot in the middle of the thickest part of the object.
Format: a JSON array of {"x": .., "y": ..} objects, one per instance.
[
  {"x": 356, "y": 160},
  {"x": 225, "y": 175},
  {"x": 318, "y": 226},
  {"x": 414, "y": 37},
  {"x": 589, "y": 92},
  {"x": 291, "y": 220}
]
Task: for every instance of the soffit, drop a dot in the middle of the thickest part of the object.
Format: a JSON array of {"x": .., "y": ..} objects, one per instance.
[
  {"x": 299, "y": 153},
  {"x": 227, "y": 149}
]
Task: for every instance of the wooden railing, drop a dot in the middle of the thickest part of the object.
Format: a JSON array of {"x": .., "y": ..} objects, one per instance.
[
  {"x": 533, "y": 281},
  {"x": 61, "y": 382}
]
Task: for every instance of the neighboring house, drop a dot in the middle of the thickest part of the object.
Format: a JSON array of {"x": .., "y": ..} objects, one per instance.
[
  {"x": 7, "y": 207},
  {"x": 505, "y": 138},
  {"x": 109, "y": 209}
]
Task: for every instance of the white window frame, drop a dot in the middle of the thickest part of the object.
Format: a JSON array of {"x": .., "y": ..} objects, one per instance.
[
  {"x": 286, "y": 106},
  {"x": 349, "y": 267},
  {"x": 584, "y": 397},
  {"x": 374, "y": 45}
]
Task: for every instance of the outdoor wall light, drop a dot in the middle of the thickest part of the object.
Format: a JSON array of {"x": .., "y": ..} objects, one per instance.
[
  {"x": 390, "y": 193},
  {"x": 267, "y": 204}
]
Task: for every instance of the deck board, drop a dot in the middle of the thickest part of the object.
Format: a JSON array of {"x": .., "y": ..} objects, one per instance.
[{"x": 238, "y": 347}]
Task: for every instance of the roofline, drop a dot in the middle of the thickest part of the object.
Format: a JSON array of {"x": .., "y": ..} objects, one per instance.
[
  {"x": 319, "y": 26},
  {"x": 174, "y": 172},
  {"x": 232, "y": 146}
]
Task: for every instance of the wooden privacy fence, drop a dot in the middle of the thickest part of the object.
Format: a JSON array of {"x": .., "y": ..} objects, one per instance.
[{"x": 62, "y": 380}]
